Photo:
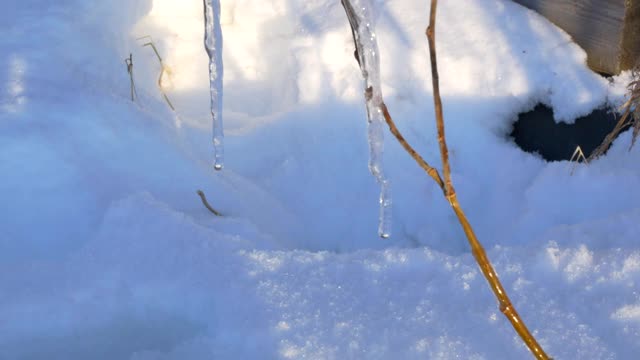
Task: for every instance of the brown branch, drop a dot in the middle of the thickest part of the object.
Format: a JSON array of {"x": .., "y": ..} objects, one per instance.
[
  {"x": 506, "y": 307},
  {"x": 435, "y": 79},
  {"x": 353, "y": 23},
  {"x": 625, "y": 120},
  {"x": 435, "y": 175},
  {"x": 409, "y": 149},
  {"x": 206, "y": 203},
  {"x": 630, "y": 111}
]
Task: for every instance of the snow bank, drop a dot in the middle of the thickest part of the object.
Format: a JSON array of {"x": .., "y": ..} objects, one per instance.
[{"x": 181, "y": 289}]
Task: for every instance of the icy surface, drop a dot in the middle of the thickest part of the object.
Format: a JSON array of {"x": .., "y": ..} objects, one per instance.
[
  {"x": 107, "y": 253},
  {"x": 362, "y": 23},
  {"x": 213, "y": 46}
]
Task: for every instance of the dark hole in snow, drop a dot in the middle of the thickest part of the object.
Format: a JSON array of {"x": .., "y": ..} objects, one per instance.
[{"x": 537, "y": 132}]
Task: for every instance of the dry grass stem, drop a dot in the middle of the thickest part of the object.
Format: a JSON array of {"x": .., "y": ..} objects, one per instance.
[
  {"x": 630, "y": 111},
  {"x": 506, "y": 307},
  {"x": 206, "y": 203},
  {"x": 578, "y": 156},
  {"x": 163, "y": 69},
  {"x": 625, "y": 120},
  {"x": 435, "y": 175},
  {"x": 437, "y": 101},
  {"x": 129, "y": 62},
  {"x": 633, "y": 105}
]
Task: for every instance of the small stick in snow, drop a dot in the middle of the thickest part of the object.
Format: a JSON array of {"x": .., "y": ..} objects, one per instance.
[
  {"x": 206, "y": 203},
  {"x": 129, "y": 62},
  {"x": 435, "y": 175},
  {"x": 163, "y": 69},
  {"x": 577, "y": 156},
  {"x": 506, "y": 307}
]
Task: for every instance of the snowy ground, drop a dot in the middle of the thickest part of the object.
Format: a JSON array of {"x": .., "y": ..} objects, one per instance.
[{"x": 107, "y": 253}]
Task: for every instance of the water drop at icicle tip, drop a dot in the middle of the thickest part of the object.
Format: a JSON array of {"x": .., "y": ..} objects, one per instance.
[
  {"x": 385, "y": 235},
  {"x": 217, "y": 166}
]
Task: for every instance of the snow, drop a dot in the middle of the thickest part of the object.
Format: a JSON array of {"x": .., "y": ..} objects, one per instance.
[{"x": 107, "y": 253}]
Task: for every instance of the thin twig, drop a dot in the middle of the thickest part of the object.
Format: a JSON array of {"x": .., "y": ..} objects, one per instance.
[
  {"x": 129, "y": 62},
  {"x": 578, "y": 155},
  {"x": 636, "y": 131},
  {"x": 435, "y": 175},
  {"x": 630, "y": 111},
  {"x": 163, "y": 69},
  {"x": 437, "y": 102},
  {"x": 634, "y": 104},
  {"x": 506, "y": 307},
  {"x": 625, "y": 120},
  {"x": 206, "y": 203},
  {"x": 150, "y": 43},
  {"x": 354, "y": 23}
]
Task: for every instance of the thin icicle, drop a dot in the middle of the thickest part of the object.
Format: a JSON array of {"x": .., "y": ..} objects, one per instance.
[
  {"x": 361, "y": 20},
  {"x": 213, "y": 45}
]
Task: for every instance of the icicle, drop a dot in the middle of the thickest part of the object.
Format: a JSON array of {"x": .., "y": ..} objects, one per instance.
[
  {"x": 361, "y": 19},
  {"x": 384, "y": 226},
  {"x": 213, "y": 45}
]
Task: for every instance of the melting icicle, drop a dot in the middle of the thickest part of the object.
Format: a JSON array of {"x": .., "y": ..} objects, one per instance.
[
  {"x": 213, "y": 45},
  {"x": 361, "y": 19},
  {"x": 384, "y": 228}
]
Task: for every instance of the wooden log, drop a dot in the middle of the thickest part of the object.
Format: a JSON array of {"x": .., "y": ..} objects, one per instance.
[{"x": 608, "y": 30}]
